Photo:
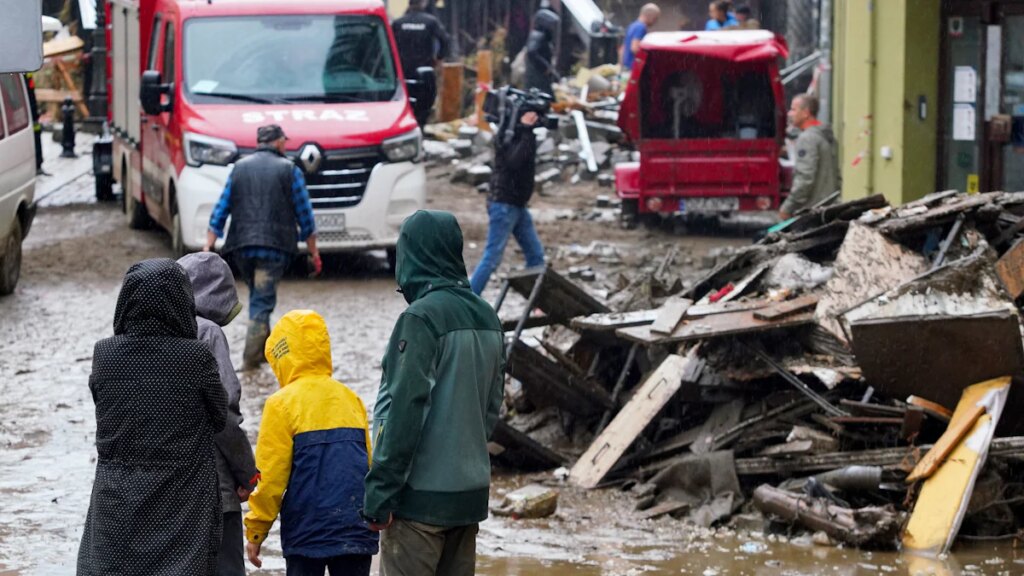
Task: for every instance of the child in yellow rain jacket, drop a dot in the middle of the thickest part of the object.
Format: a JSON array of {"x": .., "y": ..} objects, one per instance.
[{"x": 313, "y": 452}]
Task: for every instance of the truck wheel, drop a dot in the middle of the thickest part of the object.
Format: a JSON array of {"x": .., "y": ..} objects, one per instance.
[
  {"x": 104, "y": 187},
  {"x": 392, "y": 258},
  {"x": 177, "y": 240},
  {"x": 10, "y": 260},
  {"x": 628, "y": 214},
  {"x": 135, "y": 211}
]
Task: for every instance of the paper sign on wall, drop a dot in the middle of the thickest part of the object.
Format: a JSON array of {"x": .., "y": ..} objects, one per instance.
[
  {"x": 963, "y": 122},
  {"x": 965, "y": 84}
]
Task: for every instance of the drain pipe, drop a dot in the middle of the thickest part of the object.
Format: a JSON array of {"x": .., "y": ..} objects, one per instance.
[
  {"x": 871, "y": 80},
  {"x": 825, "y": 48}
]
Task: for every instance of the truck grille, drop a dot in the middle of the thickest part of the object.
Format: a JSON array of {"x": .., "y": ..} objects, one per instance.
[{"x": 340, "y": 181}]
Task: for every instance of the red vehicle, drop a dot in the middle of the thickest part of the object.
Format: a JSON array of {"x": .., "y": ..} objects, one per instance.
[
  {"x": 706, "y": 112},
  {"x": 190, "y": 81}
]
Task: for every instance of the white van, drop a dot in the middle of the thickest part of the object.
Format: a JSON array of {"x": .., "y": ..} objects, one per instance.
[{"x": 17, "y": 176}]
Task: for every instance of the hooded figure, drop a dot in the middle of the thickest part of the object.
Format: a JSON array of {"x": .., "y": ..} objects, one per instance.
[
  {"x": 313, "y": 452},
  {"x": 540, "y": 51},
  {"x": 155, "y": 508},
  {"x": 442, "y": 386},
  {"x": 216, "y": 306}
]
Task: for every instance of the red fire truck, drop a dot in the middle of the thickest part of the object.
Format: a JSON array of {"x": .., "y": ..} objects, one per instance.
[
  {"x": 190, "y": 81},
  {"x": 706, "y": 112}
]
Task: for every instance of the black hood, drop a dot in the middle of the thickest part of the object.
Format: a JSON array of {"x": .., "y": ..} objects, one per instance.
[
  {"x": 547, "y": 21},
  {"x": 156, "y": 300}
]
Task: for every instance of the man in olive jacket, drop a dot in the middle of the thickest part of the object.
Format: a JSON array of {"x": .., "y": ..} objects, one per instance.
[
  {"x": 440, "y": 393},
  {"x": 816, "y": 173}
]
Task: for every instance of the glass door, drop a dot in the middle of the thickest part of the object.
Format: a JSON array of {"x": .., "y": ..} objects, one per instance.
[{"x": 960, "y": 134}]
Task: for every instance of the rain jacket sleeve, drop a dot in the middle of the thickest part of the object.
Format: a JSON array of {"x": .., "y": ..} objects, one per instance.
[
  {"x": 274, "y": 450},
  {"x": 409, "y": 376},
  {"x": 804, "y": 172},
  {"x": 232, "y": 442}
]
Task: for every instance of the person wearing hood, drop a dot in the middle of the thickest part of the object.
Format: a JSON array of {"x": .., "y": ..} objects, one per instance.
[
  {"x": 271, "y": 212},
  {"x": 540, "y": 51},
  {"x": 217, "y": 305},
  {"x": 816, "y": 173},
  {"x": 440, "y": 392},
  {"x": 155, "y": 508},
  {"x": 313, "y": 452}
]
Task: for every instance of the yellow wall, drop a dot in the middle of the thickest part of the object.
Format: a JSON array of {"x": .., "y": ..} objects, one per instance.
[{"x": 886, "y": 56}]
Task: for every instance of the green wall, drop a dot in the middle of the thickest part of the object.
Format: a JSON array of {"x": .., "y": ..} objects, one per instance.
[{"x": 886, "y": 57}]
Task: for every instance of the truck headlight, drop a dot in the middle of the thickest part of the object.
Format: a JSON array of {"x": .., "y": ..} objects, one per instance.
[
  {"x": 201, "y": 150},
  {"x": 403, "y": 148}
]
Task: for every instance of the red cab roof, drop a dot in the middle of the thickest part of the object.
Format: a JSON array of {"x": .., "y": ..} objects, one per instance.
[
  {"x": 735, "y": 45},
  {"x": 269, "y": 7}
]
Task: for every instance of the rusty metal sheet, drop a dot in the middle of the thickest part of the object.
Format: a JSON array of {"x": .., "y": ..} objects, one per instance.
[
  {"x": 938, "y": 356},
  {"x": 1011, "y": 270}
]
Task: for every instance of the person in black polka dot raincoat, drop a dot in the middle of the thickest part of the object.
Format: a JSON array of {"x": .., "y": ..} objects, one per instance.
[{"x": 155, "y": 507}]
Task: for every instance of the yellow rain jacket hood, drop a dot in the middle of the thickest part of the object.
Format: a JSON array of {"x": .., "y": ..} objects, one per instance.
[{"x": 313, "y": 449}]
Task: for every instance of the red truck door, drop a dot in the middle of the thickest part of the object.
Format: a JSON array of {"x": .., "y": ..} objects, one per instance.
[{"x": 156, "y": 133}]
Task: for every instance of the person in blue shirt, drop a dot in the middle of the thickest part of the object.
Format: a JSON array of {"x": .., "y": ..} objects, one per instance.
[
  {"x": 271, "y": 212},
  {"x": 721, "y": 17},
  {"x": 649, "y": 15}
]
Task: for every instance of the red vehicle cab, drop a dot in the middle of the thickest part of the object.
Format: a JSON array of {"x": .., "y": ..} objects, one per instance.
[
  {"x": 706, "y": 112},
  {"x": 191, "y": 81}
]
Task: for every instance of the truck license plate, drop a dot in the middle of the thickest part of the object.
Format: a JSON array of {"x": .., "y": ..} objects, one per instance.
[
  {"x": 708, "y": 205},
  {"x": 330, "y": 222}
]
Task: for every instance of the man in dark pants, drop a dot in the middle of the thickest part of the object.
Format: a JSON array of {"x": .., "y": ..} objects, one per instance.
[
  {"x": 540, "y": 51},
  {"x": 422, "y": 41},
  {"x": 270, "y": 214},
  {"x": 511, "y": 187}
]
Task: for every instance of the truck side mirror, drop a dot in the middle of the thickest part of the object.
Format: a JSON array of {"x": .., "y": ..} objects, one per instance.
[
  {"x": 426, "y": 84},
  {"x": 151, "y": 91}
]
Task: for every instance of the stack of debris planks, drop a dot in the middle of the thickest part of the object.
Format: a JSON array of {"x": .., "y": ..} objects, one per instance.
[{"x": 858, "y": 337}]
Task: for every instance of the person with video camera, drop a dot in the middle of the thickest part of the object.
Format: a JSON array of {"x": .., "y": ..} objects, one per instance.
[{"x": 511, "y": 188}]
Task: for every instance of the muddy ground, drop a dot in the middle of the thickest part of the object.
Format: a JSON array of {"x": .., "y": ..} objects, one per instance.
[{"x": 74, "y": 259}]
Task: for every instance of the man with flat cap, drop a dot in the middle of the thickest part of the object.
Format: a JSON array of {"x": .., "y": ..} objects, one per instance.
[{"x": 266, "y": 197}]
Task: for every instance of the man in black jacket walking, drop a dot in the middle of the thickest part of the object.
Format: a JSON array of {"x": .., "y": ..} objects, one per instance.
[
  {"x": 270, "y": 214},
  {"x": 511, "y": 187},
  {"x": 422, "y": 41}
]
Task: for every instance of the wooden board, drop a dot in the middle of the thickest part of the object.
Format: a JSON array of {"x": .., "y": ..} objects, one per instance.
[
  {"x": 942, "y": 503},
  {"x": 484, "y": 78},
  {"x": 548, "y": 383},
  {"x": 451, "y": 91},
  {"x": 645, "y": 404},
  {"x": 612, "y": 321},
  {"x": 970, "y": 409},
  {"x": 932, "y": 409},
  {"x": 48, "y": 95},
  {"x": 661, "y": 509},
  {"x": 782, "y": 309},
  {"x": 62, "y": 46},
  {"x": 714, "y": 326},
  {"x": 670, "y": 314},
  {"x": 1010, "y": 269},
  {"x": 724, "y": 417}
]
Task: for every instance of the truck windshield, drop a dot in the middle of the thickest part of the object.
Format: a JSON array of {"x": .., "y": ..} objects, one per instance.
[
  {"x": 686, "y": 97},
  {"x": 318, "y": 58}
]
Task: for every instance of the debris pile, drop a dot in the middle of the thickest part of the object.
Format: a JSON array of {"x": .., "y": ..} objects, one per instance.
[{"x": 846, "y": 374}]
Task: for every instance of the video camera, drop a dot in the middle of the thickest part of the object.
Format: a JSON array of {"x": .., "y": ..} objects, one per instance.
[{"x": 506, "y": 106}]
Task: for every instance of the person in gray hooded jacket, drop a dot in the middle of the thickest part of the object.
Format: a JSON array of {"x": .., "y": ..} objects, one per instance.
[{"x": 216, "y": 306}]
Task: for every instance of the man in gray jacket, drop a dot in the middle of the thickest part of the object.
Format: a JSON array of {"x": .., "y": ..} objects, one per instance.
[
  {"x": 816, "y": 171},
  {"x": 216, "y": 306}
]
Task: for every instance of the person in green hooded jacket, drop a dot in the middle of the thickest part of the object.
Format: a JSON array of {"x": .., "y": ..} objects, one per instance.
[{"x": 441, "y": 389}]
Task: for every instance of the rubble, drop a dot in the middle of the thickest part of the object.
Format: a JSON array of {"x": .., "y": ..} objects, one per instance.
[
  {"x": 836, "y": 345},
  {"x": 531, "y": 502}
]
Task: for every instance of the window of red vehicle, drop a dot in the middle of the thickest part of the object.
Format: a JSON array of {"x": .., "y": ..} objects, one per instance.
[{"x": 16, "y": 112}]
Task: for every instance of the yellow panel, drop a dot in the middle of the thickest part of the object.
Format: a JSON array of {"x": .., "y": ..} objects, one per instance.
[{"x": 944, "y": 497}]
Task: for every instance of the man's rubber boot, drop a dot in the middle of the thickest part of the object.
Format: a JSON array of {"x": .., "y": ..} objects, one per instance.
[{"x": 255, "y": 342}]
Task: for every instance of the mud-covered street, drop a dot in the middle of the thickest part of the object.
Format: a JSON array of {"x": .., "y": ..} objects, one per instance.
[{"x": 73, "y": 262}]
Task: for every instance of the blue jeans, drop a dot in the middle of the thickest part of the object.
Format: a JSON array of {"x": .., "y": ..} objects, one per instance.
[
  {"x": 354, "y": 565},
  {"x": 505, "y": 220},
  {"x": 261, "y": 276}
]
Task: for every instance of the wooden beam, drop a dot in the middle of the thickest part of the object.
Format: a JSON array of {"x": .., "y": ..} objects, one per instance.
[{"x": 451, "y": 91}]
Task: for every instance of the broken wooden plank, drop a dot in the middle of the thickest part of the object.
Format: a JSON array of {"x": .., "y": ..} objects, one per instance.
[
  {"x": 670, "y": 314},
  {"x": 939, "y": 215},
  {"x": 547, "y": 383},
  {"x": 934, "y": 523},
  {"x": 668, "y": 507},
  {"x": 559, "y": 298},
  {"x": 783, "y": 309},
  {"x": 723, "y": 417},
  {"x": 820, "y": 441},
  {"x": 867, "y": 420},
  {"x": 609, "y": 322},
  {"x": 1010, "y": 269},
  {"x": 932, "y": 409},
  {"x": 788, "y": 449},
  {"x": 646, "y": 403},
  {"x": 523, "y": 451},
  {"x": 718, "y": 325},
  {"x": 868, "y": 408}
]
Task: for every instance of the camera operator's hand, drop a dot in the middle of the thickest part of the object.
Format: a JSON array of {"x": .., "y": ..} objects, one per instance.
[{"x": 529, "y": 119}]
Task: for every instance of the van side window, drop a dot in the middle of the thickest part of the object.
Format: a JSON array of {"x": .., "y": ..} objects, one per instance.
[
  {"x": 154, "y": 38},
  {"x": 168, "y": 70},
  {"x": 16, "y": 111}
]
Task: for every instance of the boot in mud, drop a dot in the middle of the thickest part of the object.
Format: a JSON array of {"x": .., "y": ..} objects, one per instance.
[{"x": 255, "y": 341}]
